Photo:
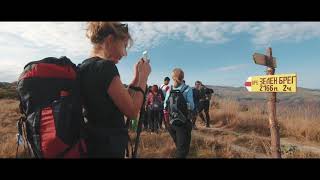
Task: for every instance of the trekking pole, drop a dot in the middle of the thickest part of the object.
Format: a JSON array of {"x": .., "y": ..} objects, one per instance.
[
  {"x": 127, "y": 148},
  {"x": 130, "y": 140},
  {"x": 139, "y": 128},
  {"x": 145, "y": 57}
]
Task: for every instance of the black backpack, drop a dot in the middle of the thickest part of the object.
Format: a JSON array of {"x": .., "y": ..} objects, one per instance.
[
  {"x": 177, "y": 107},
  {"x": 157, "y": 105},
  {"x": 163, "y": 95},
  {"x": 52, "y": 123},
  {"x": 209, "y": 91},
  {"x": 205, "y": 93}
]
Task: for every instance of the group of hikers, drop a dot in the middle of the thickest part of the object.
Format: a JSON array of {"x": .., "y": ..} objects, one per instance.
[
  {"x": 197, "y": 100},
  {"x": 154, "y": 119},
  {"x": 107, "y": 102}
]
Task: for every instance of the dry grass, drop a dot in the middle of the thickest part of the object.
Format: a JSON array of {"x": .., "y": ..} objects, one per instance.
[
  {"x": 257, "y": 145},
  {"x": 156, "y": 146},
  {"x": 301, "y": 122},
  {"x": 231, "y": 116},
  {"x": 301, "y": 155},
  {"x": 9, "y": 114},
  {"x": 162, "y": 146},
  {"x": 214, "y": 148}
]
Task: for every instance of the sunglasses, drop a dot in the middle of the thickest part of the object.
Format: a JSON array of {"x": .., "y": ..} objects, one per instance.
[{"x": 124, "y": 27}]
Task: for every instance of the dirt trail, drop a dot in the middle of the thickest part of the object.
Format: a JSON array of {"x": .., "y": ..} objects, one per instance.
[{"x": 215, "y": 133}]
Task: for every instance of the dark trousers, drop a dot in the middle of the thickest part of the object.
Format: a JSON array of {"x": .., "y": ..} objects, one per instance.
[
  {"x": 154, "y": 116},
  {"x": 194, "y": 113},
  {"x": 194, "y": 118},
  {"x": 161, "y": 118},
  {"x": 181, "y": 136},
  {"x": 204, "y": 106},
  {"x": 145, "y": 120}
]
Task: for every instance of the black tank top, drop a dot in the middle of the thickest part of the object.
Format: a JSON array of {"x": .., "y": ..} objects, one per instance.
[{"x": 96, "y": 75}]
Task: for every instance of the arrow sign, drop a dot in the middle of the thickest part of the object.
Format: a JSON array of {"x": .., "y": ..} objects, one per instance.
[
  {"x": 264, "y": 60},
  {"x": 247, "y": 84},
  {"x": 272, "y": 83}
]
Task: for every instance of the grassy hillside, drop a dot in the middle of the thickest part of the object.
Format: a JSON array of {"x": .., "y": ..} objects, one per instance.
[
  {"x": 240, "y": 94},
  {"x": 8, "y": 90}
]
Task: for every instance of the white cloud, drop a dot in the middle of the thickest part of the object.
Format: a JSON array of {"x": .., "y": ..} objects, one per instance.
[
  {"x": 69, "y": 37},
  {"x": 269, "y": 32},
  {"x": 150, "y": 34},
  {"x": 10, "y": 71},
  {"x": 21, "y": 42},
  {"x": 239, "y": 27},
  {"x": 63, "y": 37},
  {"x": 230, "y": 68}
]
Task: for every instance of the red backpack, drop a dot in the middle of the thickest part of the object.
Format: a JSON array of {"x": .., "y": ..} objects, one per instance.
[{"x": 52, "y": 123}]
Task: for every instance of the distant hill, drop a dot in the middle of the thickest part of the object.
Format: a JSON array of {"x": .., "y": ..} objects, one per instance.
[
  {"x": 8, "y": 90},
  {"x": 303, "y": 95},
  {"x": 4, "y": 84}
]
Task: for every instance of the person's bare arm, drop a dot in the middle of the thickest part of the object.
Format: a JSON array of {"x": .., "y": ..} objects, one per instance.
[
  {"x": 130, "y": 102},
  {"x": 127, "y": 104}
]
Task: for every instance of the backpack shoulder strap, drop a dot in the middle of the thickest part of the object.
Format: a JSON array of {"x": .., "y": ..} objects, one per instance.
[
  {"x": 171, "y": 89},
  {"x": 184, "y": 88}
]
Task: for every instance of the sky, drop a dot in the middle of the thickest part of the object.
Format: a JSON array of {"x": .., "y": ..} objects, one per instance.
[{"x": 217, "y": 53}]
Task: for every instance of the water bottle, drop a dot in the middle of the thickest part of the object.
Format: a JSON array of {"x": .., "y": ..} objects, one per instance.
[
  {"x": 134, "y": 124},
  {"x": 145, "y": 56}
]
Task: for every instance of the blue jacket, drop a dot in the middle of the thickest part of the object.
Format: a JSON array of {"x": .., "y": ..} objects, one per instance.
[{"x": 187, "y": 94}]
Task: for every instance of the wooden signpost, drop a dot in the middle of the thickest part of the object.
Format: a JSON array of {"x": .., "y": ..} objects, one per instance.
[{"x": 271, "y": 84}]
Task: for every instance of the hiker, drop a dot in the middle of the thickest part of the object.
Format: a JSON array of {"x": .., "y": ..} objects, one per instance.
[
  {"x": 164, "y": 89},
  {"x": 177, "y": 104},
  {"x": 154, "y": 106},
  {"x": 196, "y": 98},
  {"x": 145, "y": 118},
  {"x": 165, "y": 86},
  {"x": 161, "y": 117},
  {"x": 105, "y": 98},
  {"x": 205, "y": 94}
]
